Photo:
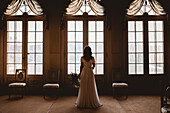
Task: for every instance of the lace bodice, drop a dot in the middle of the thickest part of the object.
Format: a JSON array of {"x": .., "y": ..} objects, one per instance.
[{"x": 88, "y": 64}]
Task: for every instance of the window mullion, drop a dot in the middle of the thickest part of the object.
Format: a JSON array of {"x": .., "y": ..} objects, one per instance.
[
  {"x": 146, "y": 48},
  {"x": 85, "y": 32},
  {"x": 24, "y": 50}
]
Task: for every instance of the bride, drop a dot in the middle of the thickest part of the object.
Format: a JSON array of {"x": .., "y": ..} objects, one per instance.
[{"x": 88, "y": 95}]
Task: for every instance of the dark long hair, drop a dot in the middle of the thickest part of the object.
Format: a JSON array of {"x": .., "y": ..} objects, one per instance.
[{"x": 87, "y": 53}]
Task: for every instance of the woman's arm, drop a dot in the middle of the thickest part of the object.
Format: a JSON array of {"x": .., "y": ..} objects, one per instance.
[
  {"x": 81, "y": 66},
  {"x": 93, "y": 66}
]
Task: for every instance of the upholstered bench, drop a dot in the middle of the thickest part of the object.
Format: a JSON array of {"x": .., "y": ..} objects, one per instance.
[
  {"x": 51, "y": 85},
  {"x": 120, "y": 89},
  {"x": 17, "y": 85}
]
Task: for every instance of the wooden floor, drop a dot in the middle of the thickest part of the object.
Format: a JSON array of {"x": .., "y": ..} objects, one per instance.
[{"x": 65, "y": 104}]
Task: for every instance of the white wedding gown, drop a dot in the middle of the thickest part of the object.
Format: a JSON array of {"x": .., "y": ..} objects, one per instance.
[{"x": 88, "y": 95}]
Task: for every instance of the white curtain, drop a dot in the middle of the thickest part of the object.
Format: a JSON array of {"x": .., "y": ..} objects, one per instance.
[
  {"x": 75, "y": 6},
  {"x": 156, "y": 6},
  {"x": 15, "y": 5},
  {"x": 136, "y": 5},
  {"x": 35, "y": 7},
  {"x": 96, "y": 8}
]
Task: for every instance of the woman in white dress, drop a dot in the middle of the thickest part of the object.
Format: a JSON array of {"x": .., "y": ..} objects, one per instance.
[{"x": 88, "y": 95}]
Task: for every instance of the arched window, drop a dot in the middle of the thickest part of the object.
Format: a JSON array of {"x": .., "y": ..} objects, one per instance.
[
  {"x": 24, "y": 37},
  {"x": 85, "y": 26},
  {"x": 146, "y": 37}
]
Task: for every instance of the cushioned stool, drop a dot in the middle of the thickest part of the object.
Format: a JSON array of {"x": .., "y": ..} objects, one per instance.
[{"x": 120, "y": 89}]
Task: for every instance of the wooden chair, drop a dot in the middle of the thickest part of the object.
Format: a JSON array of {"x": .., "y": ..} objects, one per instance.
[
  {"x": 19, "y": 85},
  {"x": 51, "y": 83},
  {"x": 120, "y": 87}
]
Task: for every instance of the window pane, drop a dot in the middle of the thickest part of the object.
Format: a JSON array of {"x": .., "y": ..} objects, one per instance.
[
  {"x": 31, "y": 25},
  {"x": 100, "y": 47},
  {"x": 78, "y": 58},
  {"x": 131, "y": 68},
  {"x": 39, "y": 25},
  {"x": 131, "y": 58},
  {"x": 152, "y": 47},
  {"x": 39, "y": 58},
  {"x": 39, "y": 47},
  {"x": 31, "y": 68},
  {"x": 10, "y": 25},
  {"x": 31, "y": 47},
  {"x": 10, "y": 47},
  {"x": 71, "y": 47},
  {"x": 152, "y": 68},
  {"x": 100, "y": 26},
  {"x": 18, "y": 58},
  {"x": 151, "y": 36},
  {"x": 31, "y": 58},
  {"x": 139, "y": 58},
  {"x": 71, "y": 58},
  {"x": 77, "y": 68},
  {"x": 18, "y": 66},
  {"x": 79, "y": 37},
  {"x": 31, "y": 36},
  {"x": 160, "y": 58},
  {"x": 139, "y": 47},
  {"x": 39, "y": 69},
  {"x": 91, "y": 36},
  {"x": 131, "y": 47},
  {"x": 160, "y": 47},
  {"x": 99, "y": 69},
  {"x": 71, "y": 36},
  {"x": 71, "y": 68},
  {"x": 131, "y": 36},
  {"x": 79, "y": 25},
  {"x": 79, "y": 47},
  {"x": 151, "y": 25},
  {"x": 139, "y": 69},
  {"x": 100, "y": 58},
  {"x": 159, "y": 25},
  {"x": 18, "y": 37},
  {"x": 18, "y": 47},
  {"x": 159, "y": 36},
  {"x": 139, "y": 26},
  {"x": 10, "y": 69},
  {"x": 10, "y": 37},
  {"x": 39, "y": 36},
  {"x": 91, "y": 26},
  {"x": 18, "y": 25},
  {"x": 99, "y": 36},
  {"x": 160, "y": 68},
  {"x": 71, "y": 26},
  {"x": 152, "y": 58},
  {"x": 10, "y": 58},
  {"x": 131, "y": 26},
  {"x": 139, "y": 36}
]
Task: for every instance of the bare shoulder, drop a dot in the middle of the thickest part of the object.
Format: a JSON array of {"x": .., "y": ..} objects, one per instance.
[
  {"x": 93, "y": 58},
  {"x": 82, "y": 58}
]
